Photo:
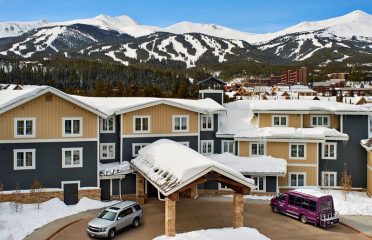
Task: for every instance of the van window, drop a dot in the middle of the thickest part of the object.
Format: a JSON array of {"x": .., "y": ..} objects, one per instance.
[
  {"x": 137, "y": 207},
  {"x": 291, "y": 199},
  {"x": 312, "y": 206},
  {"x": 326, "y": 206},
  {"x": 282, "y": 197},
  {"x": 297, "y": 201},
  {"x": 305, "y": 203}
]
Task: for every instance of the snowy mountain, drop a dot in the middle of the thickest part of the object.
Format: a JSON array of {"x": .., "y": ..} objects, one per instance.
[{"x": 346, "y": 38}]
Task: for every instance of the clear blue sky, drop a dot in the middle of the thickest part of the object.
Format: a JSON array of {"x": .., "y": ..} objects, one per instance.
[{"x": 252, "y": 16}]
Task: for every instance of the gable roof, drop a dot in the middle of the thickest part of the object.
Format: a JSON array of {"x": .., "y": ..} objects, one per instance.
[{"x": 219, "y": 81}]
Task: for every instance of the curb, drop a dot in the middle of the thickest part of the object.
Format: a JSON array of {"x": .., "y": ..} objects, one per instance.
[
  {"x": 356, "y": 230},
  {"x": 62, "y": 228}
]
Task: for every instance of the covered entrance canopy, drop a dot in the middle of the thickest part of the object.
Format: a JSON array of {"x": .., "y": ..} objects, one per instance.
[{"x": 173, "y": 168}]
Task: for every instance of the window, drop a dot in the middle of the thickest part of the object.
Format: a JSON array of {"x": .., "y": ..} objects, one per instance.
[
  {"x": 329, "y": 179},
  {"x": 280, "y": 121},
  {"x": 297, "y": 179},
  {"x": 228, "y": 146},
  {"x": 72, "y": 157},
  {"x": 107, "y": 150},
  {"x": 125, "y": 213},
  {"x": 206, "y": 122},
  {"x": 180, "y": 123},
  {"x": 72, "y": 127},
  {"x": 297, "y": 151},
  {"x": 136, "y": 147},
  {"x": 261, "y": 184},
  {"x": 207, "y": 146},
  {"x": 24, "y": 127},
  {"x": 141, "y": 124},
  {"x": 222, "y": 186},
  {"x": 320, "y": 121},
  {"x": 108, "y": 125},
  {"x": 257, "y": 149},
  {"x": 329, "y": 151},
  {"x": 24, "y": 159}
]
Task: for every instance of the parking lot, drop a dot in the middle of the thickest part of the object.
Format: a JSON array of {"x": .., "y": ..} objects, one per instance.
[{"x": 202, "y": 214}]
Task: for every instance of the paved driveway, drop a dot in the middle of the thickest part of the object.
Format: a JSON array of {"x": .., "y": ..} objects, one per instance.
[{"x": 202, "y": 214}]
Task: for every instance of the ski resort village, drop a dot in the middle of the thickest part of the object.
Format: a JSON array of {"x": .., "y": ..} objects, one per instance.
[{"x": 114, "y": 129}]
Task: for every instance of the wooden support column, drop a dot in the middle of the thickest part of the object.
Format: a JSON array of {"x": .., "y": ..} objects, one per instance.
[
  {"x": 238, "y": 210},
  {"x": 140, "y": 188},
  {"x": 170, "y": 214}
]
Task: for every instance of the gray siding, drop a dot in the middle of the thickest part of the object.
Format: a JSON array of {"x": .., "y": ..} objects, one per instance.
[
  {"x": 128, "y": 185},
  {"x": 271, "y": 184},
  {"x": 112, "y": 138},
  {"x": 218, "y": 97},
  {"x": 48, "y": 163},
  {"x": 211, "y": 135}
]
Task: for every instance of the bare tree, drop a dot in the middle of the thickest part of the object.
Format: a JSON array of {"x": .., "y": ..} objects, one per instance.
[
  {"x": 37, "y": 192},
  {"x": 16, "y": 204},
  {"x": 346, "y": 181}
]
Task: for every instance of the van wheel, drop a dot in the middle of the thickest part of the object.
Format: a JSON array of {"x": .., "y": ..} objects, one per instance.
[
  {"x": 303, "y": 219},
  {"x": 111, "y": 234},
  {"x": 275, "y": 209},
  {"x": 136, "y": 223}
]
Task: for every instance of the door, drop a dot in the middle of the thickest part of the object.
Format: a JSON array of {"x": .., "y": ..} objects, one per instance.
[
  {"x": 70, "y": 193},
  {"x": 105, "y": 190}
]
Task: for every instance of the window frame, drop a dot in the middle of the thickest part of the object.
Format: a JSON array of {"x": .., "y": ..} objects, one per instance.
[
  {"x": 223, "y": 146},
  {"x": 141, "y": 117},
  {"x": 264, "y": 183},
  {"x": 64, "y": 150},
  {"x": 206, "y": 142},
  {"x": 113, "y": 125},
  {"x": 72, "y": 119},
  {"x": 16, "y": 135},
  {"x": 258, "y": 143},
  {"x": 137, "y": 144},
  {"x": 174, "y": 123},
  {"x": 317, "y": 124},
  {"x": 297, "y": 157},
  {"x": 101, "y": 145},
  {"x": 206, "y": 116},
  {"x": 296, "y": 173},
  {"x": 279, "y": 116},
  {"x": 334, "y": 178},
  {"x": 335, "y": 150},
  {"x": 24, "y": 167}
]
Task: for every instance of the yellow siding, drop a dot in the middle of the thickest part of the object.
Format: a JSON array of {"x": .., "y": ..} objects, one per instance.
[
  {"x": 294, "y": 120},
  {"x": 243, "y": 149},
  {"x": 311, "y": 175},
  {"x": 281, "y": 150},
  {"x": 334, "y": 121},
  {"x": 369, "y": 157},
  {"x": 369, "y": 181},
  {"x": 48, "y": 116},
  {"x": 161, "y": 119}
]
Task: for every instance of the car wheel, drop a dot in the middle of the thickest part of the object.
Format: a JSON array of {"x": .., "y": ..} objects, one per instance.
[
  {"x": 111, "y": 234},
  {"x": 275, "y": 209},
  {"x": 303, "y": 219},
  {"x": 136, "y": 223}
]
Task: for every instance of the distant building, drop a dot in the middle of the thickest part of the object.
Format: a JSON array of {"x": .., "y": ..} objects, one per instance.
[{"x": 294, "y": 76}]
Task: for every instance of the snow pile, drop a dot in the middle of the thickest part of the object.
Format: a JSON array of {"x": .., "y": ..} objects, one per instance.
[
  {"x": 252, "y": 165},
  {"x": 242, "y": 233},
  {"x": 357, "y": 203},
  {"x": 108, "y": 169},
  {"x": 19, "y": 225},
  {"x": 169, "y": 164}
]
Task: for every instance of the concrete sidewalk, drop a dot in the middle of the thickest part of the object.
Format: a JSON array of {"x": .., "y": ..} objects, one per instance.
[{"x": 362, "y": 224}]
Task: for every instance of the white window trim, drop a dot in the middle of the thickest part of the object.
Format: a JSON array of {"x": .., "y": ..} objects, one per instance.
[
  {"x": 323, "y": 150},
  {"x": 113, "y": 125},
  {"x": 296, "y": 173},
  {"x": 264, "y": 184},
  {"x": 201, "y": 122},
  {"x": 134, "y": 123},
  {"x": 101, "y": 150},
  {"x": 174, "y": 125},
  {"x": 250, "y": 148},
  {"x": 15, "y": 151},
  {"x": 187, "y": 144},
  {"x": 63, "y": 183},
  {"x": 33, "y": 127},
  {"x": 137, "y": 144},
  {"x": 324, "y": 116},
  {"x": 72, "y": 119},
  {"x": 222, "y": 188},
  {"x": 228, "y": 141},
  {"x": 272, "y": 120},
  {"x": 206, "y": 141},
  {"x": 334, "y": 178},
  {"x": 72, "y": 160},
  {"x": 299, "y": 158}
]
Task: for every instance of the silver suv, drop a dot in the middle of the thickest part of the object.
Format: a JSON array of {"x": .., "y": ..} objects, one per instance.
[{"x": 115, "y": 218}]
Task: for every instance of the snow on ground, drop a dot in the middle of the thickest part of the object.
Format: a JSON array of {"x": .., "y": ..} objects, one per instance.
[
  {"x": 243, "y": 233},
  {"x": 357, "y": 203},
  {"x": 14, "y": 226},
  {"x": 253, "y": 197}
]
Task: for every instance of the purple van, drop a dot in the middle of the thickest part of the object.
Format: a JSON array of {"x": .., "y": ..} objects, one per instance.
[{"x": 318, "y": 210}]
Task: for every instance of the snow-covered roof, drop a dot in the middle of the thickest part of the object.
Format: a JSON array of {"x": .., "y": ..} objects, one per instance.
[
  {"x": 117, "y": 105},
  {"x": 169, "y": 166},
  {"x": 367, "y": 144},
  {"x": 262, "y": 165},
  {"x": 109, "y": 169}
]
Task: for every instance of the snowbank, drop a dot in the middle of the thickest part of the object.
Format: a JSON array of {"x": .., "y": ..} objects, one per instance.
[
  {"x": 243, "y": 233},
  {"x": 19, "y": 225},
  {"x": 252, "y": 165},
  {"x": 108, "y": 169},
  {"x": 357, "y": 203}
]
